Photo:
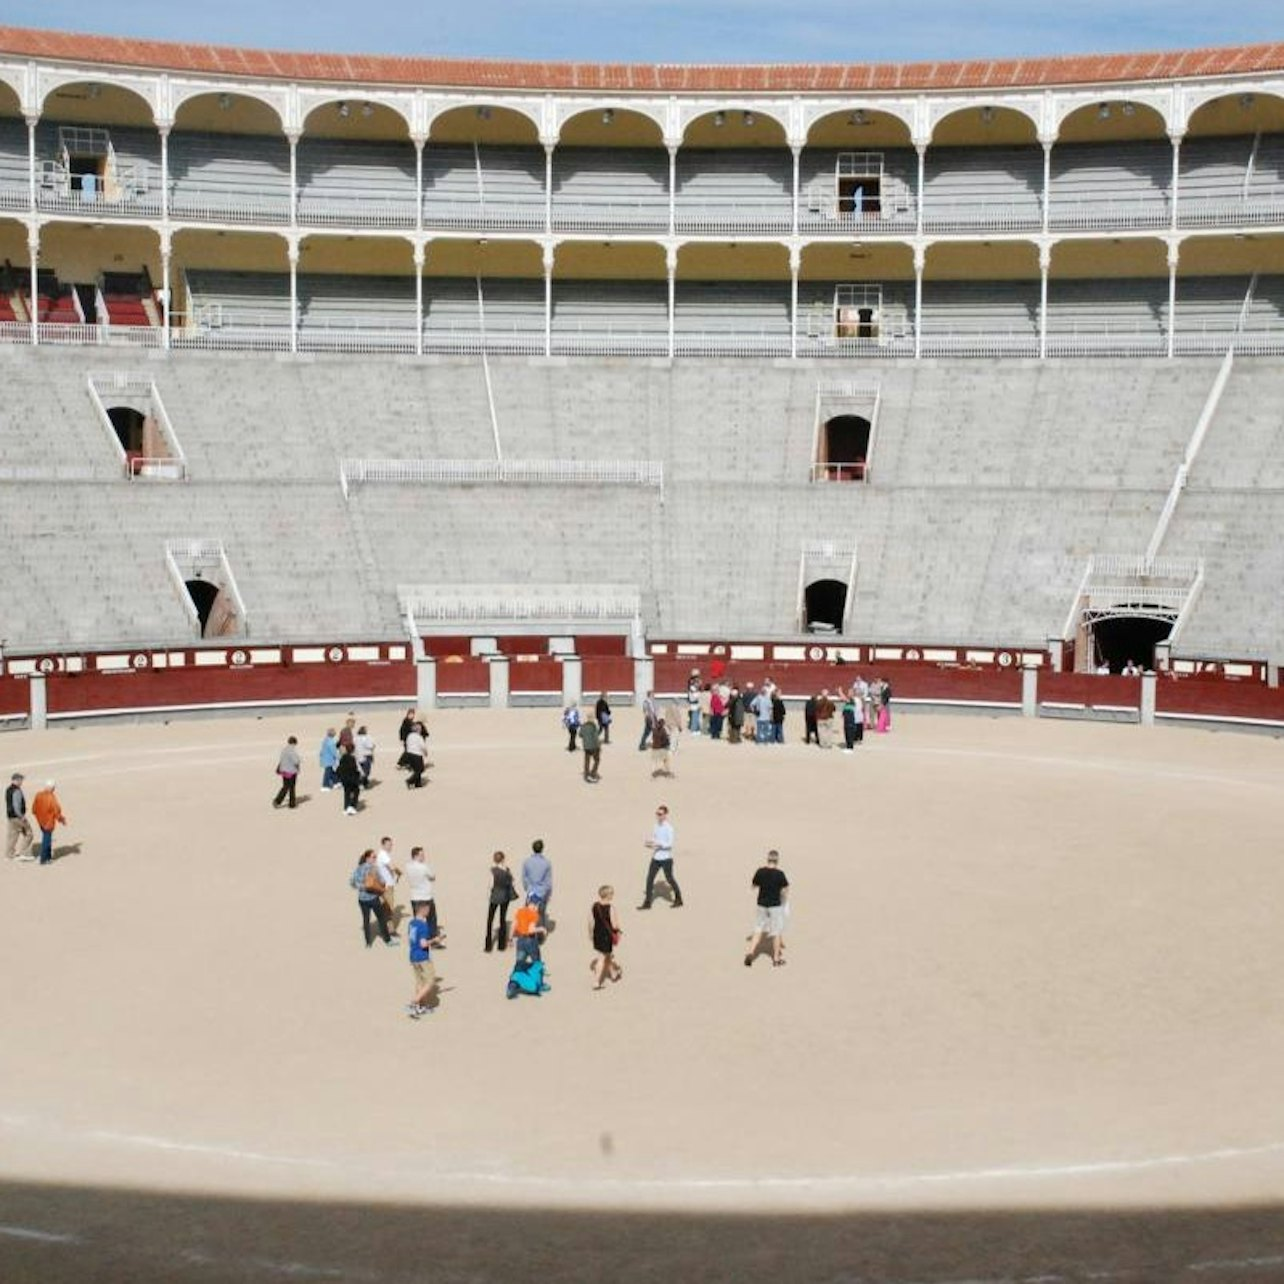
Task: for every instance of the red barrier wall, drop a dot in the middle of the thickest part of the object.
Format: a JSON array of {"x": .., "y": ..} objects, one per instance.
[
  {"x": 463, "y": 677},
  {"x": 535, "y": 677},
  {"x": 1090, "y": 689},
  {"x": 165, "y": 688},
  {"x": 1228, "y": 697},
  {"x": 13, "y": 695},
  {"x": 606, "y": 673}
]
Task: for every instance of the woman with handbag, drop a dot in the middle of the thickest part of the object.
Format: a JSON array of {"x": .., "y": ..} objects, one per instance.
[
  {"x": 370, "y": 887},
  {"x": 502, "y": 895},
  {"x": 604, "y": 932}
]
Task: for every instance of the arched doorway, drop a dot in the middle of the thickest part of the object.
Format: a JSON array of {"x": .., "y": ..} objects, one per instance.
[
  {"x": 1121, "y": 638},
  {"x": 824, "y": 606},
  {"x": 203, "y": 595},
  {"x": 846, "y": 447},
  {"x": 129, "y": 424}
]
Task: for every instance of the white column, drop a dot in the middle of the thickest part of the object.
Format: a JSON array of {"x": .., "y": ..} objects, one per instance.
[
  {"x": 165, "y": 249},
  {"x": 920, "y": 262},
  {"x": 921, "y": 148},
  {"x": 421, "y": 256},
  {"x": 550, "y": 254},
  {"x": 671, "y": 273},
  {"x": 673, "y": 189},
  {"x": 31, "y": 161},
  {"x": 33, "y": 248},
  {"x": 1147, "y": 710},
  {"x": 797, "y": 151},
  {"x": 795, "y": 264},
  {"x": 1029, "y": 691},
  {"x": 164, "y": 141},
  {"x": 548, "y": 189},
  {"x": 418, "y": 141},
  {"x": 1174, "y": 252},
  {"x": 292, "y": 249},
  {"x": 572, "y": 680},
  {"x": 425, "y": 682},
  {"x": 1176, "y": 137},
  {"x": 1047, "y": 185},
  {"x": 499, "y": 686},
  {"x": 1045, "y": 262},
  {"x": 39, "y": 702},
  {"x": 293, "y": 138},
  {"x": 643, "y": 677}
]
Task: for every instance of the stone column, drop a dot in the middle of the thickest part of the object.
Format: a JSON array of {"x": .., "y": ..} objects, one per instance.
[
  {"x": 425, "y": 682},
  {"x": 572, "y": 680},
  {"x": 643, "y": 677},
  {"x": 1148, "y": 681},
  {"x": 1029, "y": 692},
  {"x": 498, "y": 681},
  {"x": 39, "y": 701}
]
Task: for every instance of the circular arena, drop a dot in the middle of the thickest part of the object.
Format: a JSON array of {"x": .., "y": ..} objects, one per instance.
[{"x": 360, "y": 383}]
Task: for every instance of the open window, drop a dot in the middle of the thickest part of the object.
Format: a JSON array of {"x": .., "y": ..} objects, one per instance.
[
  {"x": 859, "y": 183},
  {"x": 858, "y": 311}
]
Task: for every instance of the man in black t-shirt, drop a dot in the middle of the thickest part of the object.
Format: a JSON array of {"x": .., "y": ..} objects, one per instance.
[{"x": 773, "y": 889}]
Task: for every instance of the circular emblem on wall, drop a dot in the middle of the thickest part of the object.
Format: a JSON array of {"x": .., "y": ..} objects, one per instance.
[
  {"x": 334, "y": 654},
  {"x": 139, "y": 661},
  {"x": 913, "y": 654},
  {"x": 46, "y": 664},
  {"x": 815, "y": 652},
  {"x": 239, "y": 657},
  {"x": 1006, "y": 659}
]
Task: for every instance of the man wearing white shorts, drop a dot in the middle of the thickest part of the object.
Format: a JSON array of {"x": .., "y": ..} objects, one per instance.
[{"x": 773, "y": 889}]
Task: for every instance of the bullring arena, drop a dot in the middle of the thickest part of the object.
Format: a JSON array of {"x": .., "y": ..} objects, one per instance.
[{"x": 365, "y": 383}]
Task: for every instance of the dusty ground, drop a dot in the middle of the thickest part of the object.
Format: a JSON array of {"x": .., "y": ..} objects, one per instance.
[{"x": 1034, "y": 974}]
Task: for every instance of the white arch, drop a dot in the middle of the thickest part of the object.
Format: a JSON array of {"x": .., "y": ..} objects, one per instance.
[
  {"x": 276, "y": 103},
  {"x": 48, "y": 84},
  {"x": 1158, "y": 101},
  {"x": 938, "y": 113},
  {"x": 1209, "y": 94},
  {"x": 689, "y": 113},
  {"x": 814, "y": 113},
  {"x": 517, "y": 106},
  {"x": 311, "y": 101},
  {"x": 14, "y": 80},
  {"x": 567, "y": 112}
]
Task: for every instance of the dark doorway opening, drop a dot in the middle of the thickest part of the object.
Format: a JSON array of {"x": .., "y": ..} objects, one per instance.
[
  {"x": 824, "y": 604},
  {"x": 203, "y": 595},
  {"x": 846, "y": 447},
  {"x": 1128, "y": 637},
  {"x": 860, "y": 194},
  {"x": 128, "y": 424}
]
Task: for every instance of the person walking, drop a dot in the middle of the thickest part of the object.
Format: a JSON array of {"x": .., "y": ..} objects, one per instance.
[
  {"x": 853, "y": 726},
  {"x": 365, "y": 748},
  {"x": 421, "y": 884},
  {"x": 502, "y": 895},
  {"x": 661, "y": 846},
  {"x": 390, "y": 875},
  {"x": 778, "y": 712},
  {"x": 884, "y": 724},
  {"x": 329, "y": 759},
  {"x": 650, "y": 714},
  {"x": 370, "y": 888},
  {"x": 604, "y": 932},
  {"x": 591, "y": 742},
  {"x": 422, "y": 939},
  {"x": 571, "y": 722},
  {"x": 811, "y": 732},
  {"x": 18, "y": 838},
  {"x": 406, "y": 727},
  {"x": 288, "y": 764},
  {"x": 602, "y": 716},
  {"x": 661, "y": 750},
  {"x": 47, "y": 810},
  {"x": 415, "y": 755},
  {"x": 348, "y": 774},
  {"x": 773, "y": 888},
  {"x": 537, "y": 880},
  {"x": 824, "y": 720}
]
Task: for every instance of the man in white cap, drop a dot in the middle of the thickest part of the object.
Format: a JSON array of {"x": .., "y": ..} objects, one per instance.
[
  {"x": 18, "y": 837},
  {"x": 47, "y": 810}
]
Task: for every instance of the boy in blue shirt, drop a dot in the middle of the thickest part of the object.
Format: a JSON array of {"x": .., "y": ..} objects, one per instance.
[{"x": 421, "y": 941}]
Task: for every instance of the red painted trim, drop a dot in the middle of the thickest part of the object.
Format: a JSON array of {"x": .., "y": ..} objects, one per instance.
[
  {"x": 463, "y": 677},
  {"x": 1090, "y": 690}
]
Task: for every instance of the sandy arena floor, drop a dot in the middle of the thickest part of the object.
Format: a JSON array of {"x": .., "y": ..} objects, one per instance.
[{"x": 1035, "y": 976}]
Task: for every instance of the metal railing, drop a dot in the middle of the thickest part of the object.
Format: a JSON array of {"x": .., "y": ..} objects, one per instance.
[
  {"x": 501, "y": 603},
  {"x": 527, "y": 472},
  {"x": 222, "y": 207},
  {"x": 354, "y": 211}
]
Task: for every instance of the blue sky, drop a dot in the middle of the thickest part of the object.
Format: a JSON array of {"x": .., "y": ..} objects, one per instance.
[{"x": 677, "y": 30}]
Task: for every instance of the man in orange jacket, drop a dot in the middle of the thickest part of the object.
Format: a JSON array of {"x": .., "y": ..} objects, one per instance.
[{"x": 47, "y": 810}]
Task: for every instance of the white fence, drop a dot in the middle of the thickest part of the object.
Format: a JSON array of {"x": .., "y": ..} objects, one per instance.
[{"x": 504, "y": 603}]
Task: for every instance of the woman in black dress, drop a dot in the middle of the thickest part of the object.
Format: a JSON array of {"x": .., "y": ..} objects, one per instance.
[
  {"x": 604, "y": 932},
  {"x": 502, "y": 895}
]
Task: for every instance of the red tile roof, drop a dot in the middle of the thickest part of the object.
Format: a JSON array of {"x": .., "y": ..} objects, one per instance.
[{"x": 474, "y": 73}]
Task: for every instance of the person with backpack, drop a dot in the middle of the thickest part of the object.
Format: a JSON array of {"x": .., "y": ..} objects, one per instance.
[
  {"x": 571, "y": 721},
  {"x": 369, "y": 887}
]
